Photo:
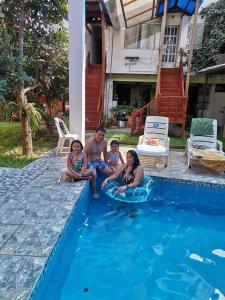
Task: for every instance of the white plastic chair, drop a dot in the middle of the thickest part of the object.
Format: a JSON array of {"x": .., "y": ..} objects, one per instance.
[
  {"x": 64, "y": 135},
  {"x": 209, "y": 141},
  {"x": 155, "y": 128}
]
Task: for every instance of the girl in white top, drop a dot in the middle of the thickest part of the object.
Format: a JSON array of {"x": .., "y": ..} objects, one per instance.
[{"x": 114, "y": 156}]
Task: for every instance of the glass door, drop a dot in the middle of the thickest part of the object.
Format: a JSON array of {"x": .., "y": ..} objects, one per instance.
[{"x": 170, "y": 47}]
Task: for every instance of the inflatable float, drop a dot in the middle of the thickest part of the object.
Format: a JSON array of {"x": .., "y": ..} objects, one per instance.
[{"x": 142, "y": 193}]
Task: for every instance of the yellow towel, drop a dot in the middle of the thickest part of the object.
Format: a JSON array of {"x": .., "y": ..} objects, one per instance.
[{"x": 211, "y": 159}]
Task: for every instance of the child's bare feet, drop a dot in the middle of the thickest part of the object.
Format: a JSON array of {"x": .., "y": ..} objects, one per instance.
[{"x": 66, "y": 178}]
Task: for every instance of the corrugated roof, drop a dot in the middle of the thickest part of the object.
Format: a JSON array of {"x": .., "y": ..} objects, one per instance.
[
  {"x": 135, "y": 12},
  {"x": 217, "y": 69},
  {"x": 138, "y": 11}
]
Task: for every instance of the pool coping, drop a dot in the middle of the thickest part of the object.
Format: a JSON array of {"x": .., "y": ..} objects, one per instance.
[
  {"x": 188, "y": 181},
  {"x": 177, "y": 169}
]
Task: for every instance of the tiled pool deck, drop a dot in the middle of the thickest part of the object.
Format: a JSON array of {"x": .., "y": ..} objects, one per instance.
[
  {"x": 177, "y": 169},
  {"x": 35, "y": 206}
]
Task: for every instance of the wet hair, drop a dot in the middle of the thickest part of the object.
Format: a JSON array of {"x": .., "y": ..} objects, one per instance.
[
  {"x": 102, "y": 129},
  {"x": 135, "y": 157},
  {"x": 76, "y": 142},
  {"x": 114, "y": 142}
]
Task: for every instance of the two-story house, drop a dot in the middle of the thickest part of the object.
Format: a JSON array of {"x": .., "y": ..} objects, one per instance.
[{"x": 124, "y": 41}]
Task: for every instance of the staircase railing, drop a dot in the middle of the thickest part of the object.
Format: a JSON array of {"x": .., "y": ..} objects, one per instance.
[
  {"x": 158, "y": 83},
  {"x": 171, "y": 98},
  {"x": 181, "y": 71},
  {"x": 88, "y": 62},
  {"x": 138, "y": 117}
]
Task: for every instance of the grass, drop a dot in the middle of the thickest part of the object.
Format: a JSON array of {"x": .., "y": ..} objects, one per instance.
[
  {"x": 123, "y": 138},
  {"x": 178, "y": 143},
  {"x": 11, "y": 149}
]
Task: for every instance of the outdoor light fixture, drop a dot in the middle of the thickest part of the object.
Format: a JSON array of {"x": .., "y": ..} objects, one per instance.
[{"x": 132, "y": 60}]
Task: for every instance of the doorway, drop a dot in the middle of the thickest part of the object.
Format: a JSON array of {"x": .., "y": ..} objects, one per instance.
[
  {"x": 133, "y": 93},
  {"x": 96, "y": 44},
  {"x": 170, "y": 47},
  {"x": 123, "y": 92},
  {"x": 192, "y": 109}
]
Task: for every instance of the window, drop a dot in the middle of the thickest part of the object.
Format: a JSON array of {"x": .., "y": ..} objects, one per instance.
[
  {"x": 145, "y": 36},
  {"x": 220, "y": 88},
  {"x": 198, "y": 37}
]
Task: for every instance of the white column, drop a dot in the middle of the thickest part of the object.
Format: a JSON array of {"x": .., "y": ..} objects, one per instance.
[
  {"x": 109, "y": 98},
  {"x": 77, "y": 67}
]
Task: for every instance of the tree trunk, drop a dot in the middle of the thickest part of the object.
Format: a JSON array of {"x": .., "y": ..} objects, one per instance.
[
  {"x": 21, "y": 98},
  {"x": 26, "y": 134},
  {"x": 27, "y": 146}
]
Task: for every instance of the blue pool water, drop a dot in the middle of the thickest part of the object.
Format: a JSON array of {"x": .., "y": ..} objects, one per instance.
[{"x": 172, "y": 247}]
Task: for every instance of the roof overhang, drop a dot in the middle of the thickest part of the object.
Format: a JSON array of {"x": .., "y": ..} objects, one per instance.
[
  {"x": 217, "y": 69},
  {"x": 129, "y": 13},
  {"x": 137, "y": 12},
  {"x": 95, "y": 9}
]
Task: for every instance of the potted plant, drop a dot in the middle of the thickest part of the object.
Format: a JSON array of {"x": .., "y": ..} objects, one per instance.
[
  {"x": 121, "y": 117},
  {"x": 120, "y": 110}
]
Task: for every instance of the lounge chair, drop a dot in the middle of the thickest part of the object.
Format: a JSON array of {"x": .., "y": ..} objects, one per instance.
[
  {"x": 155, "y": 141},
  {"x": 203, "y": 142},
  {"x": 64, "y": 135}
]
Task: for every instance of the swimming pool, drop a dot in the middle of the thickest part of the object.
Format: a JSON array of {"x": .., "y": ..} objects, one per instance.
[{"x": 170, "y": 248}]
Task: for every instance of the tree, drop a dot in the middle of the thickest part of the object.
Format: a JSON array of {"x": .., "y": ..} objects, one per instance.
[
  {"x": 214, "y": 41},
  {"x": 50, "y": 66},
  {"x": 29, "y": 23},
  {"x": 5, "y": 57}
]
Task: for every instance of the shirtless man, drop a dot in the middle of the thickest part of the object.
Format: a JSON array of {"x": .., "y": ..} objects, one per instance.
[{"x": 94, "y": 147}]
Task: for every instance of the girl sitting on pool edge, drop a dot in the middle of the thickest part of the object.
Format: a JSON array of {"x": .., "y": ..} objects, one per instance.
[
  {"x": 77, "y": 163},
  {"x": 131, "y": 173},
  {"x": 114, "y": 156}
]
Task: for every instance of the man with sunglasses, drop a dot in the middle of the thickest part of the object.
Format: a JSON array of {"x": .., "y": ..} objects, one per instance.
[{"x": 94, "y": 147}]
